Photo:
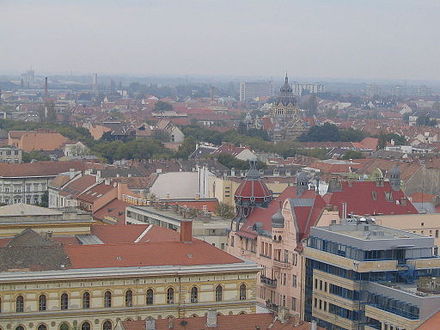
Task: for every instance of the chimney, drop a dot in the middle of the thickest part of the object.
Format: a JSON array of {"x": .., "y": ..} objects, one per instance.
[
  {"x": 46, "y": 94},
  {"x": 186, "y": 231},
  {"x": 211, "y": 319},
  {"x": 150, "y": 324}
]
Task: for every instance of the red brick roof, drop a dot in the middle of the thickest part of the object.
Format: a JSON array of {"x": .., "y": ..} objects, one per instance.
[
  {"x": 45, "y": 168},
  {"x": 147, "y": 254},
  {"x": 368, "y": 198},
  {"x": 224, "y": 322},
  {"x": 92, "y": 194}
]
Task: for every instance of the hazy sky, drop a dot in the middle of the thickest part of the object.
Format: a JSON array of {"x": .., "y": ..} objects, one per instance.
[{"x": 390, "y": 39}]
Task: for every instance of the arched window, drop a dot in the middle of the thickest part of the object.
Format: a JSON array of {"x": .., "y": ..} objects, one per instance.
[
  {"x": 42, "y": 327},
  {"x": 219, "y": 293},
  {"x": 243, "y": 292},
  {"x": 170, "y": 296},
  {"x": 42, "y": 303},
  {"x": 86, "y": 300},
  {"x": 64, "y": 326},
  {"x": 107, "y": 325},
  {"x": 150, "y": 297},
  {"x": 194, "y": 295},
  {"x": 85, "y": 326},
  {"x": 20, "y": 327},
  {"x": 19, "y": 304},
  {"x": 129, "y": 298},
  {"x": 108, "y": 299},
  {"x": 64, "y": 301}
]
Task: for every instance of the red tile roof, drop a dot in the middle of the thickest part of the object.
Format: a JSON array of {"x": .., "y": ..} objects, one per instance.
[
  {"x": 368, "y": 198},
  {"x": 115, "y": 210},
  {"x": 431, "y": 323},
  {"x": 147, "y": 254},
  {"x": 224, "y": 322},
  {"x": 92, "y": 194},
  {"x": 78, "y": 185},
  {"x": 45, "y": 168}
]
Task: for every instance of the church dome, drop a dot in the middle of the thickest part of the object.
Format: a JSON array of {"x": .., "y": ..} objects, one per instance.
[
  {"x": 286, "y": 96},
  {"x": 278, "y": 220},
  {"x": 253, "y": 191}
]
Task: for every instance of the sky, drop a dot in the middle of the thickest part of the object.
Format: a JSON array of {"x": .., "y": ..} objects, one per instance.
[{"x": 352, "y": 39}]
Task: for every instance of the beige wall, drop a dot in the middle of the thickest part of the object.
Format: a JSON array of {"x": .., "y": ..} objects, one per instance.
[{"x": 97, "y": 313}]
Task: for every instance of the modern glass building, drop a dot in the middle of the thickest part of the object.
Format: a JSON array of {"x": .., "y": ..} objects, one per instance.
[{"x": 363, "y": 276}]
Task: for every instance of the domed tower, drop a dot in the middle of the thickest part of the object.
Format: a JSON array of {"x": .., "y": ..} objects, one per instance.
[
  {"x": 302, "y": 183},
  {"x": 287, "y": 115},
  {"x": 395, "y": 178},
  {"x": 251, "y": 193},
  {"x": 278, "y": 218}
]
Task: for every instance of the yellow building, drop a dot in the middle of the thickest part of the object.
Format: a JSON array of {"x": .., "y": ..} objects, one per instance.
[{"x": 120, "y": 272}]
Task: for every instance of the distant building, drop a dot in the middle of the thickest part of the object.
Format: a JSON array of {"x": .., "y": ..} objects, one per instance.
[
  {"x": 310, "y": 88},
  {"x": 10, "y": 155},
  {"x": 254, "y": 90},
  {"x": 37, "y": 140},
  {"x": 286, "y": 117}
]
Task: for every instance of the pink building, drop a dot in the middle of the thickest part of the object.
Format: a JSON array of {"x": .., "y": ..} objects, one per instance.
[{"x": 271, "y": 232}]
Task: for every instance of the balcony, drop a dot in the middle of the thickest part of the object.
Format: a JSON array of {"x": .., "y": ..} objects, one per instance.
[
  {"x": 272, "y": 307},
  {"x": 268, "y": 281},
  {"x": 281, "y": 264}
]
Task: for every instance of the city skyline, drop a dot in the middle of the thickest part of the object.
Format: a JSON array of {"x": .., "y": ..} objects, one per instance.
[{"x": 374, "y": 41}]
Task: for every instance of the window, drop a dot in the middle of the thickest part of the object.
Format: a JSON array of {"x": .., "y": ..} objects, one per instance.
[
  {"x": 20, "y": 327},
  {"x": 64, "y": 301},
  {"x": 42, "y": 303},
  {"x": 19, "y": 304},
  {"x": 108, "y": 299},
  {"x": 294, "y": 281},
  {"x": 129, "y": 298},
  {"x": 85, "y": 326},
  {"x": 86, "y": 300},
  {"x": 64, "y": 326},
  {"x": 219, "y": 293},
  {"x": 436, "y": 233},
  {"x": 293, "y": 303},
  {"x": 194, "y": 295},
  {"x": 42, "y": 327},
  {"x": 170, "y": 296},
  {"x": 107, "y": 325},
  {"x": 243, "y": 292},
  {"x": 150, "y": 297}
]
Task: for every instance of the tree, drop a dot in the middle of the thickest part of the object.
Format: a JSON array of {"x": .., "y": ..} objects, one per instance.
[
  {"x": 186, "y": 148},
  {"x": 326, "y": 132},
  {"x": 311, "y": 105},
  {"x": 353, "y": 154},
  {"x": 161, "y": 106},
  {"x": 424, "y": 120},
  {"x": 225, "y": 211},
  {"x": 27, "y": 157}
]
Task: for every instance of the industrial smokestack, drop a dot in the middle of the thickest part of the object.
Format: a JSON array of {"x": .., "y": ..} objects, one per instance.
[{"x": 46, "y": 94}]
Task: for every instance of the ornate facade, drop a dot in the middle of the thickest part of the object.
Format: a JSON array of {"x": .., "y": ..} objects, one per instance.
[{"x": 286, "y": 117}]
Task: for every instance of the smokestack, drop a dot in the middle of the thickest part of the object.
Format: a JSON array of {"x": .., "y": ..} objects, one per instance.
[
  {"x": 46, "y": 93},
  {"x": 186, "y": 231}
]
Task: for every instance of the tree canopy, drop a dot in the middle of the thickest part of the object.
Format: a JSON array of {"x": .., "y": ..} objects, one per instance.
[{"x": 330, "y": 132}]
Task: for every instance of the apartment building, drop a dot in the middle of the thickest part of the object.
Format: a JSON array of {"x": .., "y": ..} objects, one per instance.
[{"x": 359, "y": 275}]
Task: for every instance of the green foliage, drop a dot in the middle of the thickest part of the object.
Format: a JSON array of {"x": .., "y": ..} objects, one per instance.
[
  {"x": 34, "y": 155},
  {"x": 353, "y": 154},
  {"x": 44, "y": 199},
  {"x": 319, "y": 153},
  {"x": 330, "y": 132},
  {"x": 186, "y": 148},
  {"x": 424, "y": 120},
  {"x": 134, "y": 149},
  {"x": 231, "y": 162},
  {"x": 385, "y": 138},
  {"x": 161, "y": 106},
  {"x": 225, "y": 211}
]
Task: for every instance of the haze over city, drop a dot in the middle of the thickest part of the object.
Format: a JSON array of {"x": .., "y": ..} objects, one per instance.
[{"x": 375, "y": 39}]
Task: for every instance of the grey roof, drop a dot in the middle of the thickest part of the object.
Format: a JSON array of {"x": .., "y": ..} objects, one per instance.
[
  {"x": 88, "y": 239},
  {"x": 295, "y": 202},
  {"x": 29, "y": 250},
  {"x": 21, "y": 209}
]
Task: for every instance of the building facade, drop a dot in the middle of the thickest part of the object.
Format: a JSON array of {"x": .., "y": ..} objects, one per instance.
[
  {"x": 363, "y": 276},
  {"x": 253, "y": 90},
  {"x": 10, "y": 155},
  {"x": 112, "y": 275}
]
